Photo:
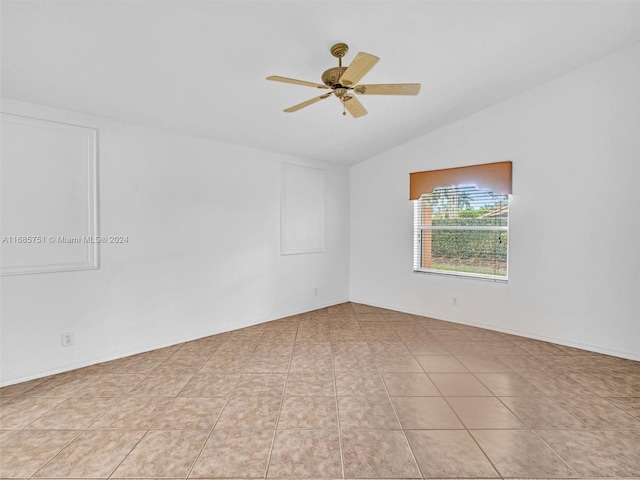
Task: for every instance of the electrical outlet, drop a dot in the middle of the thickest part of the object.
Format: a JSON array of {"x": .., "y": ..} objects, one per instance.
[
  {"x": 454, "y": 301},
  {"x": 315, "y": 292},
  {"x": 67, "y": 339}
]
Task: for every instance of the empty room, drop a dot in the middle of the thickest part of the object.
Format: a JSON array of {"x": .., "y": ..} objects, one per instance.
[{"x": 319, "y": 240}]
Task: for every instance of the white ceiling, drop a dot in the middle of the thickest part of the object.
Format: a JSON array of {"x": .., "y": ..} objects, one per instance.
[{"x": 199, "y": 67}]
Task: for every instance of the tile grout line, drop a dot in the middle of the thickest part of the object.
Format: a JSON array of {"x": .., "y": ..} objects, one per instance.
[
  {"x": 460, "y": 420},
  {"x": 284, "y": 388},
  {"x": 159, "y": 414},
  {"x": 554, "y": 451},
  {"x": 513, "y": 413},
  {"x": 165, "y": 408},
  {"x": 86, "y": 429},
  {"x": 119, "y": 399},
  {"x": 456, "y": 413},
  {"x": 204, "y": 444},
  {"x": 335, "y": 387},
  {"x": 65, "y": 398},
  {"x": 377, "y": 333},
  {"x": 528, "y": 428},
  {"x": 55, "y": 454},
  {"x": 402, "y": 429},
  {"x": 468, "y": 431}
]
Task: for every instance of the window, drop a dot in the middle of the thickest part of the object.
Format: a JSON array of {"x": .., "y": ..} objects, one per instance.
[{"x": 460, "y": 226}]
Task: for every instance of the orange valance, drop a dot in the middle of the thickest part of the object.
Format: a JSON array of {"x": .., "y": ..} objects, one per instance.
[{"x": 493, "y": 176}]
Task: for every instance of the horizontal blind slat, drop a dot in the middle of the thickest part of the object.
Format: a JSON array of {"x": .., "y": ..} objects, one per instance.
[{"x": 461, "y": 229}]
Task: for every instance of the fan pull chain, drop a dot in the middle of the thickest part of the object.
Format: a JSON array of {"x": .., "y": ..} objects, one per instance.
[{"x": 344, "y": 111}]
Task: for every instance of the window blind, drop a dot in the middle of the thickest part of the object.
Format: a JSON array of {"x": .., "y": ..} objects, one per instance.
[{"x": 461, "y": 229}]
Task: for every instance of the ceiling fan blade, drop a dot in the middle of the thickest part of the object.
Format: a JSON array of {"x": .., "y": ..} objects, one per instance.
[
  {"x": 276, "y": 78},
  {"x": 353, "y": 106},
  {"x": 388, "y": 89},
  {"x": 297, "y": 107},
  {"x": 358, "y": 68}
]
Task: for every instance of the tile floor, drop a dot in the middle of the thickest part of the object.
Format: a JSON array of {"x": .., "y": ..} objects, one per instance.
[{"x": 350, "y": 391}]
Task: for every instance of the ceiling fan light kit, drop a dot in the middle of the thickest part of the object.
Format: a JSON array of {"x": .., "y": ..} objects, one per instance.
[{"x": 342, "y": 81}]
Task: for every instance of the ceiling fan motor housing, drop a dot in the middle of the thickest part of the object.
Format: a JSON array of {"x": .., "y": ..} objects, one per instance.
[{"x": 332, "y": 76}]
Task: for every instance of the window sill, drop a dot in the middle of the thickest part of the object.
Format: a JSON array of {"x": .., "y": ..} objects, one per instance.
[{"x": 473, "y": 276}]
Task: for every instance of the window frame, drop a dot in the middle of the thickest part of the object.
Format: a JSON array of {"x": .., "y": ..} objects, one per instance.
[{"x": 417, "y": 246}]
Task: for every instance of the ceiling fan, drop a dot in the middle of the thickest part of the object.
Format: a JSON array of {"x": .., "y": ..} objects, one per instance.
[{"x": 342, "y": 83}]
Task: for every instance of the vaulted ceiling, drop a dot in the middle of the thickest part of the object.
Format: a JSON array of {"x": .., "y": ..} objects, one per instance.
[{"x": 199, "y": 67}]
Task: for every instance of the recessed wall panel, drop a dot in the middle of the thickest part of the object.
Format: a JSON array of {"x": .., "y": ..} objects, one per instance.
[
  {"x": 302, "y": 210},
  {"x": 48, "y": 196}
]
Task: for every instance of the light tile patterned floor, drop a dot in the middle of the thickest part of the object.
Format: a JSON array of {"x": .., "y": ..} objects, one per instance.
[{"x": 350, "y": 391}]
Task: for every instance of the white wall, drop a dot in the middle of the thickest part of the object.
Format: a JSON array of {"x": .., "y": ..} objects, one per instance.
[
  {"x": 574, "y": 264},
  {"x": 203, "y": 219}
]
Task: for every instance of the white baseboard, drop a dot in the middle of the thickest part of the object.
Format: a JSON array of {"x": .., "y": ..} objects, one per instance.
[
  {"x": 560, "y": 341},
  {"x": 269, "y": 318},
  {"x": 150, "y": 347}
]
